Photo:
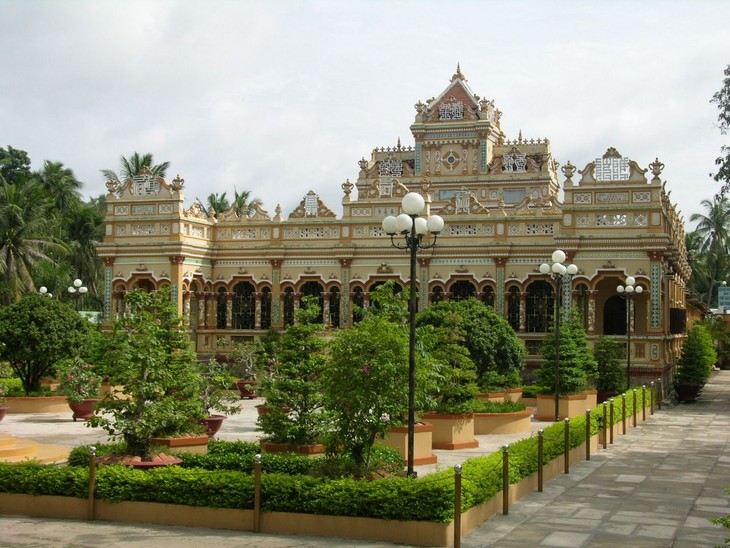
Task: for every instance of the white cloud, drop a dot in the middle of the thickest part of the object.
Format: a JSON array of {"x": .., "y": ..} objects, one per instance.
[{"x": 282, "y": 97}]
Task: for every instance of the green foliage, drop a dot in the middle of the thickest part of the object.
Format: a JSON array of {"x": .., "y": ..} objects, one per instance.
[
  {"x": 722, "y": 99},
  {"x": 694, "y": 366},
  {"x": 36, "y": 333},
  {"x": 485, "y": 406},
  {"x": 495, "y": 349},
  {"x": 148, "y": 355},
  {"x": 79, "y": 380},
  {"x": 371, "y": 360},
  {"x": 38, "y": 479},
  {"x": 611, "y": 376},
  {"x": 216, "y": 380},
  {"x": 577, "y": 363},
  {"x": 458, "y": 372},
  {"x": 294, "y": 382},
  {"x": 532, "y": 390}
]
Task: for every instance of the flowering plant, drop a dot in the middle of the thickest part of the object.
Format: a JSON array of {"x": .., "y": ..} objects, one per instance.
[
  {"x": 3, "y": 393},
  {"x": 79, "y": 380}
]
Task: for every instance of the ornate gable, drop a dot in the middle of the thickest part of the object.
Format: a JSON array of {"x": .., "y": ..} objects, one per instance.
[
  {"x": 464, "y": 202},
  {"x": 311, "y": 207}
]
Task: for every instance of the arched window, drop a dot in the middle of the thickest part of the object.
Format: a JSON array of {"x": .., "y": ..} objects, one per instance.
[
  {"x": 437, "y": 296},
  {"x": 489, "y": 296},
  {"x": 266, "y": 308},
  {"x": 358, "y": 303},
  {"x": 462, "y": 290},
  {"x": 513, "y": 307},
  {"x": 540, "y": 306},
  {"x": 221, "y": 308},
  {"x": 314, "y": 289},
  {"x": 335, "y": 306},
  {"x": 144, "y": 285},
  {"x": 244, "y": 306},
  {"x": 288, "y": 306},
  {"x": 614, "y": 316}
]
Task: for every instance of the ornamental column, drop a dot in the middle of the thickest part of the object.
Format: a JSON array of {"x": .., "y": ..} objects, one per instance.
[
  {"x": 345, "y": 297},
  {"x": 499, "y": 298},
  {"x": 108, "y": 264},
  {"x": 523, "y": 311},
  {"x": 277, "y": 318},
  {"x": 177, "y": 262},
  {"x": 592, "y": 294}
]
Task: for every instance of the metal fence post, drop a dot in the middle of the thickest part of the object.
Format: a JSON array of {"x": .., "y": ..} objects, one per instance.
[
  {"x": 92, "y": 482},
  {"x": 540, "y": 458},
  {"x": 636, "y": 409},
  {"x": 611, "y": 421},
  {"x": 257, "y": 494},
  {"x": 566, "y": 422},
  {"x": 588, "y": 434},
  {"x": 660, "y": 386},
  {"x": 623, "y": 411},
  {"x": 643, "y": 402},
  {"x": 505, "y": 479},
  {"x": 653, "y": 397},
  {"x": 605, "y": 424},
  {"x": 457, "y": 506}
]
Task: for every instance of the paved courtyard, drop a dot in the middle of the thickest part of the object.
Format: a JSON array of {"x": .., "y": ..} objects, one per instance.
[{"x": 656, "y": 486}]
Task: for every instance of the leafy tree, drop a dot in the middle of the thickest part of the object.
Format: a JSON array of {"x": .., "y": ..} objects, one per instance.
[
  {"x": 694, "y": 366},
  {"x": 61, "y": 188},
  {"x": 611, "y": 375},
  {"x": 722, "y": 99},
  {"x": 218, "y": 203},
  {"x": 133, "y": 165},
  {"x": 14, "y": 166},
  {"x": 458, "y": 374},
  {"x": 294, "y": 382},
  {"x": 493, "y": 346},
  {"x": 37, "y": 332},
  {"x": 148, "y": 354},
  {"x": 365, "y": 382},
  {"x": 577, "y": 363}
]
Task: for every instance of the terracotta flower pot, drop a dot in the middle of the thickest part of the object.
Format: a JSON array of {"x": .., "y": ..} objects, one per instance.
[
  {"x": 83, "y": 410},
  {"x": 212, "y": 424},
  {"x": 247, "y": 389}
]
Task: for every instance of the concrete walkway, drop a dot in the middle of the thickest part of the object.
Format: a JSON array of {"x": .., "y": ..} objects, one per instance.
[{"x": 656, "y": 486}]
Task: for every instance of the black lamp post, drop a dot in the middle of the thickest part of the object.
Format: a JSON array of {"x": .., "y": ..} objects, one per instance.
[
  {"x": 627, "y": 291},
  {"x": 413, "y": 228},
  {"x": 558, "y": 271}
]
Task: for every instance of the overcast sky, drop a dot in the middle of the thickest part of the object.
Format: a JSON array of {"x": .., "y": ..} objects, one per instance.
[{"x": 282, "y": 97}]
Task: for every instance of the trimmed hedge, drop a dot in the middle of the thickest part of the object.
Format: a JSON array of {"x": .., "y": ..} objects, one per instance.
[{"x": 427, "y": 499}]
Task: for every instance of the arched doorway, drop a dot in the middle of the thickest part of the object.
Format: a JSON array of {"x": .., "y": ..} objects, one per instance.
[{"x": 244, "y": 306}]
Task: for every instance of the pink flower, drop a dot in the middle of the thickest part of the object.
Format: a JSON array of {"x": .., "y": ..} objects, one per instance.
[{"x": 365, "y": 369}]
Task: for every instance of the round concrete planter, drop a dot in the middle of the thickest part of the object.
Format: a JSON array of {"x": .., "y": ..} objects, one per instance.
[{"x": 37, "y": 404}]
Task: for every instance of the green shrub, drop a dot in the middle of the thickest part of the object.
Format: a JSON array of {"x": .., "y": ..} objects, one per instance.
[{"x": 485, "y": 406}]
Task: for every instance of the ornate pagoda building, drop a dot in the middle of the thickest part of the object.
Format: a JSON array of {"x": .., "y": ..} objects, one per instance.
[{"x": 235, "y": 276}]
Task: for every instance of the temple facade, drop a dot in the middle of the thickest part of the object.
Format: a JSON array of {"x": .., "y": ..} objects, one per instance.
[{"x": 234, "y": 276}]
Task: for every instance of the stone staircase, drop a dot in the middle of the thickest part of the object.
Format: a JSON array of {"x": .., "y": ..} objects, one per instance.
[{"x": 18, "y": 450}]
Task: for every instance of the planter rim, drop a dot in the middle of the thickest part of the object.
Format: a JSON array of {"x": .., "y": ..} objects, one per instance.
[
  {"x": 435, "y": 415},
  {"x": 418, "y": 427},
  {"x": 563, "y": 397}
]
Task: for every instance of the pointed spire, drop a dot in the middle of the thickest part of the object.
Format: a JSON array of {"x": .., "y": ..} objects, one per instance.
[
  {"x": 458, "y": 73},
  {"x": 519, "y": 137},
  {"x": 398, "y": 143}
]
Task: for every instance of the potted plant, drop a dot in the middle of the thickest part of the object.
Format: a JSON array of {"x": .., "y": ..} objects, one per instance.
[
  {"x": 215, "y": 379},
  {"x": 577, "y": 366},
  {"x": 452, "y": 416},
  {"x": 147, "y": 353},
  {"x": 295, "y": 418},
  {"x": 611, "y": 375},
  {"x": 80, "y": 383},
  {"x": 243, "y": 370},
  {"x": 695, "y": 364}
]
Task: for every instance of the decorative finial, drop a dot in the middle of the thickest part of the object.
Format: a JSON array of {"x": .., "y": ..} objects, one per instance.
[
  {"x": 398, "y": 146},
  {"x": 458, "y": 73},
  {"x": 347, "y": 187},
  {"x": 519, "y": 137},
  {"x": 656, "y": 168},
  {"x": 178, "y": 183},
  {"x": 568, "y": 170}
]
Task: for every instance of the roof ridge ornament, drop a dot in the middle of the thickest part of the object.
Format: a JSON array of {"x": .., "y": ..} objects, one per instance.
[{"x": 458, "y": 74}]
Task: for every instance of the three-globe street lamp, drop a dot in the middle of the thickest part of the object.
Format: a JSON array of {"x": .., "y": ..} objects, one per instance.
[
  {"x": 77, "y": 289},
  {"x": 627, "y": 291},
  {"x": 558, "y": 271},
  {"x": 413, "y": 227},
  {"x": 44, "y": 291}
]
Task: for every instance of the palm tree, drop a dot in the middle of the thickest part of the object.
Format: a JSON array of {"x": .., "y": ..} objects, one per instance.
[
  {"x": 713, "y": 232},
  {"x": 244, "y": 207},
  {"x": 24, "y": 229},
  {"x": 218, "y": 202},
  {"x": 132, "y": 166}
]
